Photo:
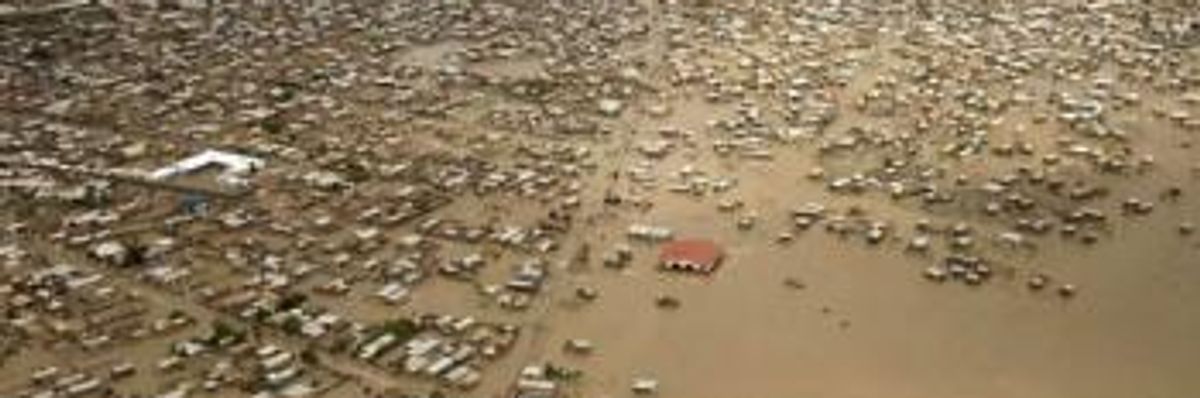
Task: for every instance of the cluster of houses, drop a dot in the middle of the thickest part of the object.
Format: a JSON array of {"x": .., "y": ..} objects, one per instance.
[
  {"x": 68, "y": 307},
  {"x": 72, "y": 311},
  {"x": 450, "y": 350}
]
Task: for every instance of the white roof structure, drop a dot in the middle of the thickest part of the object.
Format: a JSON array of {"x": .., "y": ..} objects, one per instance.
[{"x": 235, "y": 165}]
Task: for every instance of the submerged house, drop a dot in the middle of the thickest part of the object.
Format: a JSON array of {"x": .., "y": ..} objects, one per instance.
[{"x": 691, "y": 255}]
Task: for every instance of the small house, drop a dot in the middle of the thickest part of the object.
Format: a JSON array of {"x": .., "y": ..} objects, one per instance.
[{"x": 691, "y": 255}]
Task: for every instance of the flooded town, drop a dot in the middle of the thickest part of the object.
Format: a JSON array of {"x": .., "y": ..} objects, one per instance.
[{"x": 599, "y": 198}]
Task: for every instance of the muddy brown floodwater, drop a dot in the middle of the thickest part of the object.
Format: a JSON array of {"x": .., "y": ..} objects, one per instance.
[
  {"x": 887, "y": 333},
  {"x": 915, "y": 199}
]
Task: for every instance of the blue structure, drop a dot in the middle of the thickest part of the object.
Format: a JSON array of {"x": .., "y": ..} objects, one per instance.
[{"x": 194, "y": 204}]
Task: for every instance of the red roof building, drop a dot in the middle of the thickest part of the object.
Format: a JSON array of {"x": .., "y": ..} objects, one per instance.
[{"x": 691, "y": 255}]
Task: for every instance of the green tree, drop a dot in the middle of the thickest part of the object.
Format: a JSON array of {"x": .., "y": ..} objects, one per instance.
[
  {"x": 292, "y": 325},
  {"x": 292, "y": 301}
]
